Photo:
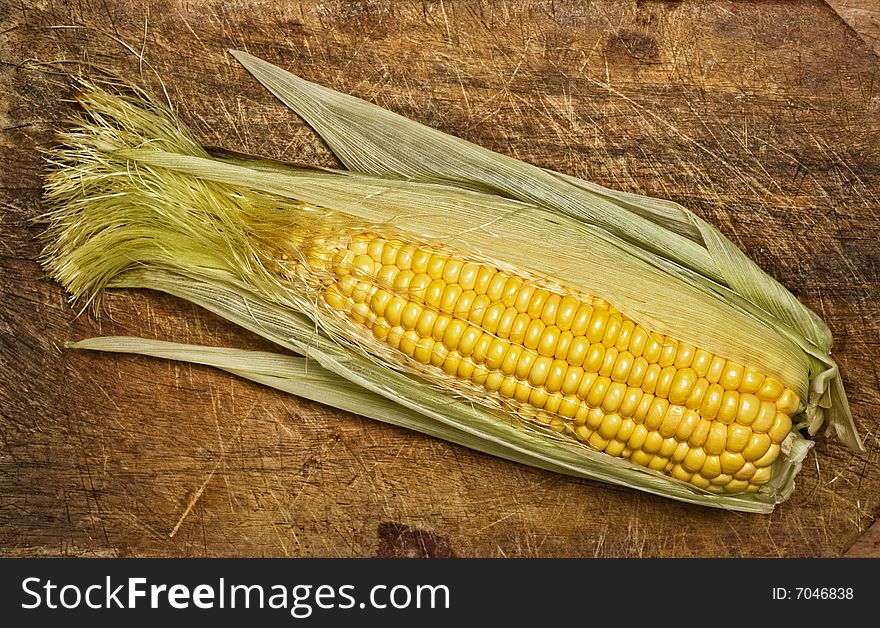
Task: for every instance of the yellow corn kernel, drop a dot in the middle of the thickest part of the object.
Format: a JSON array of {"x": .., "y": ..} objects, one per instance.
[
  {"x": 781, "y": 428},
  {"x": 610, "y": 425},
  {"x": 598, "y": 391},
  {"x": 582, "y": 320},
  {"x": 540, "y": 371},
  {"x": 482, "y": 347},
  {"x": 598, "y": 442},
  {"x": 667, "y": 353},
  {"x": 716, "y": 369},
  {"x": 464, "y": 304},
  {"x": 622, "y": 366},
  {"x": 562, "y": 345},
  {"x": 568, "y": 407},
  {"x": 700, "y": 482},
  {"x": 694, "y": 459},
  {"x": 731, "y": 377},
  {"x": 769, "y": 456},
  {"x": 630, "y": 402},
  {"x": 638, "y": 371},
  {"x": 731, "y": 462},
  {"x": 452, "y": 271},
  {"x": 614, "y": 397},
  {"x": 418, "y": 288},
  {"x": 434, "y": 293},
  {"x": 505, "y": 323},
  {"x": 418, "y": 260},
  {"x": 652, "y": 374},
  {"x": 671, "y": 419},
  {"x": 637, "y": 438},
  {"x": 624, "y": 335},
  {"x": 656, "y": 412},
  {"x": 566, "y": 311},
  {"x": 451, "y": 363},
  {"x": 711, "y": 467},
  {"x": 478, "y": 309},
  {"x": 770, "y": 390},
  {"x": 548, "y": 312},
  {"x": 757, "y": 446},
  {"x": 687, "y": 425},
  {"x": 698, "y": 393},
  {"x": 612, "y": 329},
  {"x": 681, "y": 450},
  {"x": 548, "y": 340},
  {"x": 668, "y": 447},
  {"x": 594, "y": 358},
  {"x": 614, "y": 448},
  {"x": 748, "y": 409},
  {"x": 729, "y": 406},
  {"x": 653, "y": 443},
  {"x": 536, "y": 303},
  {"x": 712, "y": 401},
  {"x": 422, "y": 349},
  {"x": 788, "y": 402},
  {"x": 700, "y": 434},
  {"x": 736, "y": 486},
  {"x": 684, "y": 355},
  {"x": 701, "y": 362},
  {"x": 469, "y": 340},
  {"x": 641, "y": 457},
  {"x": 495, "y": 353},
  {"x": 751, "y": 382},
  {"x": 766, "y": 417},
  {"x": 586, "y": 384},
  {"x": 598, "y": 322},
  {"x": 638, "y": 340},
  {"x": 556, "y": 376},
  {"x": 626, "y": 430},
  {"x": 467, "y": 276},
  {"x": 716, "y": 439},
  {"x": 738, "y": 436},
  {"x": 682, "y": 383},
  {"x": 518, "y": 329},
  {"x": 644, "y": 406},
  {"x": 761, "y": 476},
  {"x": 658, "y": 463},
  {"x": 746, "y": 472},
  {"x": 664, "y": 381},
  {"x": 572, "y": 381}
]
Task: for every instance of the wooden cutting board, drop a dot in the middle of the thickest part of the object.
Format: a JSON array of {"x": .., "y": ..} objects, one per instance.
[{"x": 761, "y": 117}]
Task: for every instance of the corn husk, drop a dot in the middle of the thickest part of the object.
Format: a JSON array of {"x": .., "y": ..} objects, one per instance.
[{"x": 136, "y": 202}]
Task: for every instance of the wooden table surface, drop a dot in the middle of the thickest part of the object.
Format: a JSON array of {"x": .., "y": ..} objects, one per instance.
[{"x": 763, "y": 118}]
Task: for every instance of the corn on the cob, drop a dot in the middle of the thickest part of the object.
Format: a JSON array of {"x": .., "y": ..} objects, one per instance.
[
  {"x": 557, "y": 357},
  {"x": 617, "y": 356}
]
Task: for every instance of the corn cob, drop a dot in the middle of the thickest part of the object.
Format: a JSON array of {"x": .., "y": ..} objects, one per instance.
[{"x": 557, "y": 357}]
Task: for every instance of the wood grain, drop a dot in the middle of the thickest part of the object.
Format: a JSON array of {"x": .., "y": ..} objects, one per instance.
[
  {"x": 864, "y": 18},
  {"x": 761, "y": 117},
  {"x": 867, "y": 545}
]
